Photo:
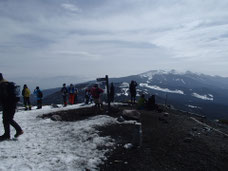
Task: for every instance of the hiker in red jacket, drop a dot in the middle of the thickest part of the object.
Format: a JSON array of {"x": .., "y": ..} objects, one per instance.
[{"x": 95, "y": 92}]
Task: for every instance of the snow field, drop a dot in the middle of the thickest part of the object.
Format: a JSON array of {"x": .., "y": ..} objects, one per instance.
[{"x": 51, "y": 145}]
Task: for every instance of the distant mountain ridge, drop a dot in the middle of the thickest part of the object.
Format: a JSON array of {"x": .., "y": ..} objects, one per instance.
[{"x": 193, "y": 92}]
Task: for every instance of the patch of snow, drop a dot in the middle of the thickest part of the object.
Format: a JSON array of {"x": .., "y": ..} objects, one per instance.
[
  {"x": 125, "y": 91},
  {"x": 181, "y": 80},
  {"x": 128, "y": 146},
  {"x": 194, "y": 107},
  {"x": 210, "y": 95},
  {"x": 150, "y": 74},
  {"x": 203, "y": 97},
  {"x": 161, "y": 89},
  {"x": 54, "y": 145}
]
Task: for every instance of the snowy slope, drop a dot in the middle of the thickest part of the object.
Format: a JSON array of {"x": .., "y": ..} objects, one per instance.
[{"x": 50, "y": 145}]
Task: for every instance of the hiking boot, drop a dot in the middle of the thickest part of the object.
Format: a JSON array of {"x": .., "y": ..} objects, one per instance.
[
  {"x": 4, "y": 137},
  {"x": 18, "y": 134}
]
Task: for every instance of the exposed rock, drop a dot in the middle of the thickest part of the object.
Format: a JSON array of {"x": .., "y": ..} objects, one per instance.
[
  {"x": 120, "y": 119},
  {"x": 131, "y": 115},
  {"x": 54, "y": 106},
  {"x": 56, "y": 118}
]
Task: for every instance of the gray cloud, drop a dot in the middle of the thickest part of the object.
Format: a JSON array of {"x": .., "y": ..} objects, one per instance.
[{"x": 119, "y": 37}]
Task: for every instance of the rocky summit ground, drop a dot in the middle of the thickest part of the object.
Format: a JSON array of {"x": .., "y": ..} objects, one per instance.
[{"x": 171, "y": 140}]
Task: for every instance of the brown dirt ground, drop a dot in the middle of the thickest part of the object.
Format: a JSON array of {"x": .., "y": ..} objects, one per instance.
[
  {"x": 173, "y": 142},
  {"x": 169, "y": 142}
]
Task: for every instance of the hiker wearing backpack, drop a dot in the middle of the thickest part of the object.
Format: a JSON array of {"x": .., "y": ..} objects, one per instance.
[
  {"x": 96, "y": 92},
  {"x": 64, "y": 92},
  {"x": 71, "y": 91},
  {"x": 26, "y": 97},
  {"x": 39, "y": 96},
  {"x": 8, "y": 101},
  {"x": 132, "y": 88}
]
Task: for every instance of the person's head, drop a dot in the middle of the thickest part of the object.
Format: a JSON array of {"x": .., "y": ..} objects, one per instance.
[
  {"x": 25, "y": 86},
  {"x": 37, "y": 87},
  {"x": 64, "y": 85},
  {"x": 71, "y": 85},
  {"x": 95, "y": 85}
]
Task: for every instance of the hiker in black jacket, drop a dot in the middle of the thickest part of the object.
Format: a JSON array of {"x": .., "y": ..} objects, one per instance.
[
  {"x": 64, "y": 92},
  {"x": 132, "y": 88},
  {"x": 8, "y": 102}
]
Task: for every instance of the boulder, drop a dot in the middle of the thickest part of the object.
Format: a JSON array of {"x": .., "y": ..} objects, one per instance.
[
  {"x": 56, "y": 118},
  {"x": 131, "y": 114},
  {"x": 120, "y": 119},
  {"x": 54, "y": 106}
]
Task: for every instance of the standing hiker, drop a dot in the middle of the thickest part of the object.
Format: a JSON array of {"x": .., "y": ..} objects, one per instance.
[
  {"x": 112, "y": 93},
  {"x": 96, "y": 92},
  {"x": 8, "y": 101},
  {"x": 26, "y": 97},
  {"x": 142, "y": 102},
  {"x": 87, "y": 96},
  {"x": 64, "y": 92},
  {"x": 39, "y": 96},
  {"x": 132, "y": 88},
  {"x": 71, "y": 91}
]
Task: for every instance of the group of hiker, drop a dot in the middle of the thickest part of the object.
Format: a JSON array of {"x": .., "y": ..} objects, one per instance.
[
  {"x": 142, "y": 102},
  {"x": 26, "y": 97},
  {"x": 9, "y": 99},
  {"x": 91, "y": 95},
  {"x": 71, "y": 91},
  {"x": 9, "y": 96}
]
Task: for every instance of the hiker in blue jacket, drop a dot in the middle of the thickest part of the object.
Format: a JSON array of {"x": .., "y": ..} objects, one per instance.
[{"x": 39, "y": 96}]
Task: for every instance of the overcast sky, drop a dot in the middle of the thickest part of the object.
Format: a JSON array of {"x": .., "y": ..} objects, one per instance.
[{"x": 92, "y": 38}]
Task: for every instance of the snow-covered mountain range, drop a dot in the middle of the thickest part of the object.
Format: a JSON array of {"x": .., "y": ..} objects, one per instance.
[{"x": 193, "y": 92}]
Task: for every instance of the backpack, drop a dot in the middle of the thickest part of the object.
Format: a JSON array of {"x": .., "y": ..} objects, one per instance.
[
  {"x": 14, "y": 92},
  {"x": 10, "y": 93},
  {"x": 39, "y": 94}
]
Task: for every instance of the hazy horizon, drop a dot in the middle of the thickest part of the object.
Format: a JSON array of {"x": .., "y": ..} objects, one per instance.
[{"x": 57, "y": 81}]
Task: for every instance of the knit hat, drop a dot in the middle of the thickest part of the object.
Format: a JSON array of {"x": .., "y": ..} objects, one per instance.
[{"x": 2, "y": 79}]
